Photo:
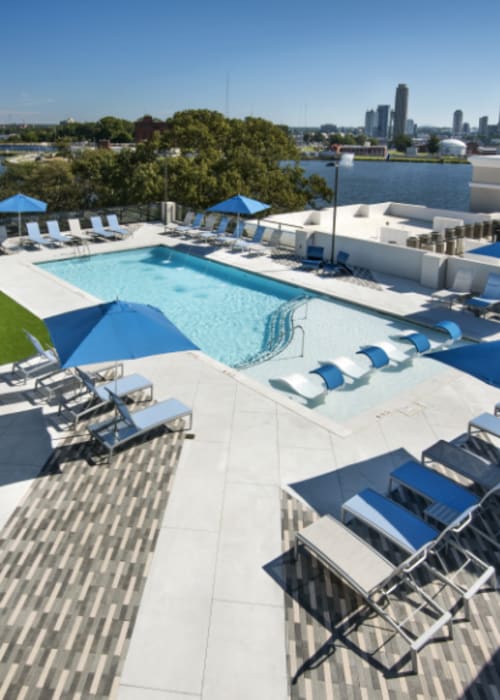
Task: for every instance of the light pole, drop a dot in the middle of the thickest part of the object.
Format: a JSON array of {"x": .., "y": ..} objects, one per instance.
[
  {"x": 165, "y": 189},
  {"x": 345, "y": 161}
]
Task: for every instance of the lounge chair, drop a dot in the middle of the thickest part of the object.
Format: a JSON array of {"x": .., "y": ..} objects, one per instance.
[
  {"x": 90, "y": 397},
  {"x": 485, "y": 423},
  {"x": 56, "y": 235},
  {"x": 459, "y": 290},
  {"x": 339, "y": 267},
  {"x": 126, "y": 426},
  {"x": 460, "y": 460},
  {"x": 372, "y": 577},
  {"x": 384, "y": 354},
  {"x": 422, "y": 344},
  {"x": 233, "y": 238},
  {"x": 219, "y": 231},
  {"x": 254, "y": 243},
  {"x": 417, "y": 538},
  {"x": 434, "y": 487},
  {"x": 4, "y": 248},
  {"x": 314, "y": 257},
  {"x": 349, "y": 367},
  {"x": 34, "y": 235},
  {"x": 43, "y": 361},
  {"x": 331, "y": 375},
  {"x": 98, "y": 229},
  {"x": 301, "y": 384},
  {"x": 448, "y": 499},
  {"x": 488, "y": 300},
  {"x": 114, "y": 226},
  {"x": 194, "y": 226},
  {"x": 75, "y": 228}
]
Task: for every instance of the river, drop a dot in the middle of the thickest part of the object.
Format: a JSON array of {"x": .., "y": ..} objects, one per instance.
[{"x": 439, "y": 185}]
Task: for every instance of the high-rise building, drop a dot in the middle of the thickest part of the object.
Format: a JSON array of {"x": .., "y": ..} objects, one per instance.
[
  {"x": 482, "y": 130},
  {"x": 400, "y": 110},
  {"x": 410, "y": 128},
  {"x": 383, "y": 112},
  {"x": 458, "y": 120},
  {"x": 370, "y": 122}
]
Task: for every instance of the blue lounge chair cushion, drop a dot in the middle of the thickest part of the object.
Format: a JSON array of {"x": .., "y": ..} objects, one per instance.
[
  {"x": 390, "y": 519},
  {"x": 419, "y": 340},
  {"x": 331, "y": 375},
  {"x": 451, "y": 328},
  {"x": 376, "y": 355},
  {"x": 436, "y": 487}
]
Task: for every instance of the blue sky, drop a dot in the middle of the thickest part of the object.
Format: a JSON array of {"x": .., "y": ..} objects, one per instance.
[{"x": 293, "y": 63}]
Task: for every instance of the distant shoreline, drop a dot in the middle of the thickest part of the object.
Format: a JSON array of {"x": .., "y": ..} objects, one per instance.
[{"x": 398, "y": 159}]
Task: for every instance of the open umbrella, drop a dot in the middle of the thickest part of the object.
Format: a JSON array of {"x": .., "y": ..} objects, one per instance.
[
  {"x": 239, "y": 205},
  {"x": 481, "y": 360},
  {"x": 20, "y": 203},
  {"x": 117, "y": 330}
]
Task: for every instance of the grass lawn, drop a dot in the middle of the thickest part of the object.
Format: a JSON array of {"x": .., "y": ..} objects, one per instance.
[{"x": 13, "y": 343}]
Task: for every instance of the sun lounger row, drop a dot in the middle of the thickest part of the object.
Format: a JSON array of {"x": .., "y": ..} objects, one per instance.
[
  {"x": 461, "y": 295},
  {"x": 433, "y": 544},
  {"x": 339, "y": 371},
  {"x": 80, "y": 394},
  {"x": 75, "y": 235}
]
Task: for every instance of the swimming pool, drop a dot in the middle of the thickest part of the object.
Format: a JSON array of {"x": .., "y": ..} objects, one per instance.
[{"x": 239, "y": 318}]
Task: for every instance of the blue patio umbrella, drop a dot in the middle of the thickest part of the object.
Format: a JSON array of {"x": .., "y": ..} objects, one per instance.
[
  {"x": 21, "y": 203},
  {"x": 117, "y": 330},
  {"x": 240, "y": 205},
  {"x": 492, "y": 250},
  {"x": 481, "y": 360}
]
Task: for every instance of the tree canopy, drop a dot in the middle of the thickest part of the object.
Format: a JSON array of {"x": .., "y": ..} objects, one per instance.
[{"x": 215, "y": 158}]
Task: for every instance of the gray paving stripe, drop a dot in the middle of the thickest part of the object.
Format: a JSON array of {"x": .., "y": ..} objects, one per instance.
[
  {"x": 74, "y": 561},
  {"x": 337, "y": 648}
]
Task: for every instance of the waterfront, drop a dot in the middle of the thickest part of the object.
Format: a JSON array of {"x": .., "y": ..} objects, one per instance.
[{"x": 439, "y": 185}]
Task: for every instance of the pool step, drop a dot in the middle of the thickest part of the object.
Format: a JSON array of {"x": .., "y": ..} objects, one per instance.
[{"x": 278, "y": 334}]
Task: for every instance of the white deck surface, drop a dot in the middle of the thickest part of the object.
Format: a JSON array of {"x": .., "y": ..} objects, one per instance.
[{"x": 211, "y": 623}]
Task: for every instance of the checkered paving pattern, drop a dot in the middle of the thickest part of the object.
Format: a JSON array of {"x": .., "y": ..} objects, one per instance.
[
  {"x": 339, "y": 648},
  {"x": 75, "y": 556}
]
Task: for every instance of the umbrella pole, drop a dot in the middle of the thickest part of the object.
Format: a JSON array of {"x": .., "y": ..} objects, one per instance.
[{"x": 19, "y": 226}]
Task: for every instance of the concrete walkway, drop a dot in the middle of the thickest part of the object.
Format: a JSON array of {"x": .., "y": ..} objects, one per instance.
[{"x": 211, "y": 622}]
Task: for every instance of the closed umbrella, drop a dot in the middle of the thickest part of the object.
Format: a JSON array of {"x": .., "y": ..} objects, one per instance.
[{"x": 20, "y": 203}]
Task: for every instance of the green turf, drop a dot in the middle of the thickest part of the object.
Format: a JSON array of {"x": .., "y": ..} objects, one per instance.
[{"x": 13, "y": 343}]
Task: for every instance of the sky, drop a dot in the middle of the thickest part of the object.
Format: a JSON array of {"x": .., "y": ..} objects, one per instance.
[{"x": 288, "y": 62}]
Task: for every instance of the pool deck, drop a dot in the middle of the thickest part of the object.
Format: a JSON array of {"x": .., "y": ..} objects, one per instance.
[{"x": 211, "y": 622}]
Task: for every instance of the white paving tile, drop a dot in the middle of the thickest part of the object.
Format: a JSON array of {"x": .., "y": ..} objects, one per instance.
[
  {"x": 245, "y": 657},
  {"x": 249, "y": 538}
]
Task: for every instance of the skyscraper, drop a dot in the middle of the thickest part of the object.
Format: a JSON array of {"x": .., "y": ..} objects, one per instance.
[
  {"x": 383, "y": 121},
  {"x": 458, "y": 119},
  {"x": 483, "y": 128},
  {"x": 400, "y": 110},
  {"x": 371, "y": 122}
]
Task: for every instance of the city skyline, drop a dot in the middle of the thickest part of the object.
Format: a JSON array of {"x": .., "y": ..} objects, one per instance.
[{"x": 270, "y": 61}]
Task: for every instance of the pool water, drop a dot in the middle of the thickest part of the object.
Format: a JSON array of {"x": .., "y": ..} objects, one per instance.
[
  {"x": 228, "y": 312},
  {"x": 223, "y": 310}
]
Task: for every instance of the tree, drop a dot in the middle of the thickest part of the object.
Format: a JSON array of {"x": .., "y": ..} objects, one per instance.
[
  {"x": 433, "y": 144},
  {"x": 402, "y": 142}
]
